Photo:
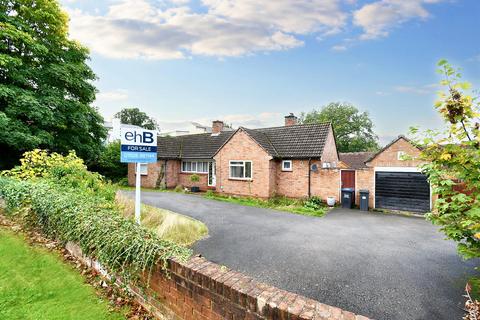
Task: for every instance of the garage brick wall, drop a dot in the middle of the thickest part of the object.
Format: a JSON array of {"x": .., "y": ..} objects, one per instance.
[
  {"x": 364, "y": 179},
  {"x": 388, "y": 158},
  {"x": 242, "y": 147}
]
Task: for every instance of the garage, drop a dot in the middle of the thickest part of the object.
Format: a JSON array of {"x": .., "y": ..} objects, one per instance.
[{"x": 406, "y": 191}]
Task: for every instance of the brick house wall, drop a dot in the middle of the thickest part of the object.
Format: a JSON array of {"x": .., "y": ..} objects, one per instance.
[
  {"x": 326, "y": 183},
  {"x": 184, "y": 180},
  {"x": 292, "y": 184},
  {"x": 242, "y": 147},
  {"x": 330, "y": 153},
  {"x": 147, "y": 181}
]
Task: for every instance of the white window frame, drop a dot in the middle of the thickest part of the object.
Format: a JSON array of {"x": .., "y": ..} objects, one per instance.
[
  {"x": 194, "y": 164},
  {"x": 240, "y": 165},
  {"x": 143, "y": 169},
  {"x": 283, "y": 165},
  {"x": 400, "y": 155}
]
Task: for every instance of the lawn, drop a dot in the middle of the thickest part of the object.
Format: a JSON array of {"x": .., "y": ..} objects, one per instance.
[
  {"x": 312, "y": 207},
  {"x": 35, "y": 284},
  {"x": 166, "y": 224}
]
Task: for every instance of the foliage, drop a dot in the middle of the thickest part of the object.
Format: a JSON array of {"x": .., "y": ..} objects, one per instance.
[
  {"x": 353, "y": 130},
  {"x": 314, "y": 203},
  {"x": 194, "y": 178},
  {"x": 453, "y": 163},
  {"x": 94, "y": 223},
  {"x": 109, "y": 164},
  {"x": 136, "y": 117},
  {"x": 46, "y": 86},
  {"x": 36, "y": 284},
  {"x": 166, "y": 224},
  {"x": 68, "y": 171},
  {"x": 277, "y": 203}
]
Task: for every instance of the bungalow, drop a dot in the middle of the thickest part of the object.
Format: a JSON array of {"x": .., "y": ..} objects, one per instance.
[
  {"x": 294, "y": 160},
  {"x": 290, "y": 160}
]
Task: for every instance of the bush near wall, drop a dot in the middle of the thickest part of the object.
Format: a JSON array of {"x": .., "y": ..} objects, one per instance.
[{"x": 59, "y": 196}]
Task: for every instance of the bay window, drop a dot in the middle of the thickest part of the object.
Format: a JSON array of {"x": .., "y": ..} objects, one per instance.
[{"x": 240, "y": 169}]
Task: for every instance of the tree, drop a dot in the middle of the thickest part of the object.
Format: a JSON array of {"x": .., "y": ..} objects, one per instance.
[
  {"x": 109, "y": 163},
  {"x": 353, "y": 130},
  {"x": 453, "y": 163},
  {"x": 46, "y": 86},
  {"x": 136, "y": 117}
]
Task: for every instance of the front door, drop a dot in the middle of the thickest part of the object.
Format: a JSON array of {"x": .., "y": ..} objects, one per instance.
[
  {"x": 212, "y": 179},
  {"x": 348, "y": 179}
]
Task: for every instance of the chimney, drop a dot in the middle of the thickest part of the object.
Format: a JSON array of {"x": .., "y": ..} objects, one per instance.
[
  {"x": 291, "y": 120},
  {"x": 217, "y": 126}
]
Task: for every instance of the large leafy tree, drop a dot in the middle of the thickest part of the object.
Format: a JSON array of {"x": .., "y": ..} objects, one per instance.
[
  {"x": 136, "y": 117},
  {"x": 46, "y": 86},
  {"x": 353, "y": 129},
  {"x": 109, "y": 163},
  {"x": 453, "y": 162}
]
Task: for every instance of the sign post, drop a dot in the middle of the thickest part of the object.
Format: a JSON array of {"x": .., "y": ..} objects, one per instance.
[{"x": 139, "y": 146}]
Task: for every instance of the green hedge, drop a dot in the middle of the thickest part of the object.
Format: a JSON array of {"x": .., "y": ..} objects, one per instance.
[{"x": 92, "y": 222}]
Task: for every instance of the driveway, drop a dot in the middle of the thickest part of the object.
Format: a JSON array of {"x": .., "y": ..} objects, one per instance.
[{"x": 381, "y": 266}]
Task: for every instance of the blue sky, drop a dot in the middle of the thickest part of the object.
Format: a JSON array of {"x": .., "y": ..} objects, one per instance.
[{"x": 250, "y": 62}]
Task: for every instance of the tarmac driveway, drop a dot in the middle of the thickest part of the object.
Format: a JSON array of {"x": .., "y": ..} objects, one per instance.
[{"x": 381, "y": 266}]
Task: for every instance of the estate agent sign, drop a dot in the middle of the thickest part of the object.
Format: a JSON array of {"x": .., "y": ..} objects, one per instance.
[{"x": 139, "y": 146}]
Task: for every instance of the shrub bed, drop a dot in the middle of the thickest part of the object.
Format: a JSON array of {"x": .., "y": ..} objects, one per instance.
[
  {"x": 59, "y": 196},
  {"x": 93, "y": 223}
]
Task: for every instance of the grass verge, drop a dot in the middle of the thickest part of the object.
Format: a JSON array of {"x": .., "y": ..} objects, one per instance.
[
  {"x": 298, "y": 206},
  {"x": 166, "y": 224},
  {"x": 36, "y": 284}
]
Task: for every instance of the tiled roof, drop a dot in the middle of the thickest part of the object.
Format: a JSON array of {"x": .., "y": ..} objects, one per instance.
[
  {"x": 356, "y": 160},
  {"x": 297, "y": 141},
  {"x": 192, "y": 146},
  {"x": 287, "y": 142}
]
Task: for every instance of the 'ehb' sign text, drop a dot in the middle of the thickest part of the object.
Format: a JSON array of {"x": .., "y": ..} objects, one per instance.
[{"x": 138, "y": 145}]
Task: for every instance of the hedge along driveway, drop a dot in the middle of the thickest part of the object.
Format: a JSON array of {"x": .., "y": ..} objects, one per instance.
[
  {"x": 35, "y": 284},
  {"x": 381, "y": 266}
]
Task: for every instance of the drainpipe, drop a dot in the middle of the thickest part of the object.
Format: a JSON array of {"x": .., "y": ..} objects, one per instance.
[
  {"x": 166, "y": 183},
  {"x": 309, "y": 177}
]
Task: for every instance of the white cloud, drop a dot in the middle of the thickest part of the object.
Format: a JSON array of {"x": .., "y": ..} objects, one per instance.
[
  {"x": 377, "y": 18},
  {"x": 418, "y": 90},
  {"x": 339, "y": 48},
  {"x": 142, "y": 29},
  {"x": 114, "y": 95}
]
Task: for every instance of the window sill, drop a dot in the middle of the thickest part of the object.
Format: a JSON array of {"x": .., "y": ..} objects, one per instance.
[
  {"x": 284, "y": 170},
  {"x": 199, "y": 173},
  {"x": 240, "y": 179}
]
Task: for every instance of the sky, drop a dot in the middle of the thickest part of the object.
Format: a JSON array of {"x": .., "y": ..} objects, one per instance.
[{"x": 251, "y": 62}]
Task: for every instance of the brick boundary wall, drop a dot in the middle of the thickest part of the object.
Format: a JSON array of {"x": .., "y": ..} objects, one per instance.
[{"x": 202, "y": 290}]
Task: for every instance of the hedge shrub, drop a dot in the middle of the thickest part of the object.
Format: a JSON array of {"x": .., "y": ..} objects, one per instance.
[{"x": 92, "y": 222}]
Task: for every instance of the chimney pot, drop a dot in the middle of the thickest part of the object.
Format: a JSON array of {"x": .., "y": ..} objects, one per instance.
[
  {"x": 217, "y": 126},
  {"x": 291, "y": 120}
]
